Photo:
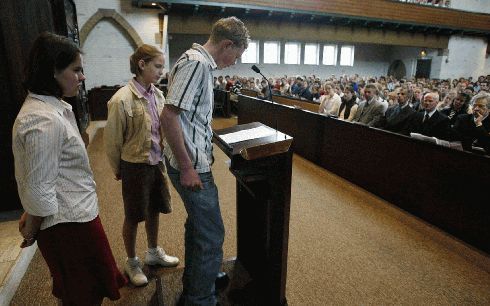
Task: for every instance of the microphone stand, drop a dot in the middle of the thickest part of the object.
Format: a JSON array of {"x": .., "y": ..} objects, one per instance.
[
  {"x": 257, "y": 70},
  {"x": 269, "y": 86}
]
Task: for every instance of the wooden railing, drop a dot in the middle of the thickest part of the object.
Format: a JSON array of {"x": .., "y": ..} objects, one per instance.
[
  {"x": 249, "y": 92},
  {"x": 443, "y": 186},
  {"x": 297, "y": 103}
]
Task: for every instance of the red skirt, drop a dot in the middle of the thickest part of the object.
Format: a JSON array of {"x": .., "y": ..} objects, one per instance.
[{"x": 81, "y": 263}]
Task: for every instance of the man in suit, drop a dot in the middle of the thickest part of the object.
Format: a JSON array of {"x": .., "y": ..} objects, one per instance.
[
  {"x": 371, "y": 110},
  {"x": 475, "y": 127},
  {"x": 429, "y": 122},
  {"x": 397, "y": 115}
]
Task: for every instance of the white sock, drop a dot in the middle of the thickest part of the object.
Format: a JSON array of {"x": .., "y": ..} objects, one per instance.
[{"x": 153, "y": 250}]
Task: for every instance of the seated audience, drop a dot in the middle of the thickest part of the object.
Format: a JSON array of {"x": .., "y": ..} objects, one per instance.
[
  {"x": 236, "y": 87},
  {"x": 329, "y": 102},
  {"x": 284, "y": 87},
  {"x": 469, "y": 90},
  {"x": 475, "y": 128},
  {"x": 305, "y": 92},
  {"x": 296, "y": 87},
  {"x": 448, "y": 100},
  {"x": 416, "y": 102},
  {"x": 397, "y": 115},
  {"x": 228, "y": 83},
  {"x": 265, "y": 89},
  {"x": 276, "y": 86},
  {"x": 459, "y": 106},
  {"x": 257, "y": 85},
  {"x": 392, "y": 98},
  {"x": 220, "y": 83},
  {"x": 429, "y": 122},
  {"x": 315, "y": 92},
  {"x": 348, "y": 107},
  {"x": 371, "y": 110}
]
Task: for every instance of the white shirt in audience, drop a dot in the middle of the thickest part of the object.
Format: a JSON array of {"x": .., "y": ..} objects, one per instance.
[{"x": 330, "y": 105}]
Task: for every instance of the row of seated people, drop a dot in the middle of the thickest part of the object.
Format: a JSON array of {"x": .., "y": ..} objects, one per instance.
[
  {"x": 399, "y": 105},
  {"x": 312, "y": 88},
  {"x": 465, "y": 119}
]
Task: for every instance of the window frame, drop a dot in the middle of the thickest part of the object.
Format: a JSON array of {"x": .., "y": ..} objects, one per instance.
[
  {"x": 317, "y": 57},
  {"x": 335, "y": 56},
  {"x": 257, "y": 57},
  {"x": 351, "y": 64},
  {"x": 278, "y": 44},
  {"x": 298, "y": 55}
]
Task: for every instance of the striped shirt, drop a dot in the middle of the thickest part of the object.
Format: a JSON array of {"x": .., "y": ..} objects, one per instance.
[
  {"x": 52, "y": 169},
  {"x": 191, "y": 90}
]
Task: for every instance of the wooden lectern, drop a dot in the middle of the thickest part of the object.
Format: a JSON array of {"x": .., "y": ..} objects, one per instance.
[{"x": 261, "y": 161}]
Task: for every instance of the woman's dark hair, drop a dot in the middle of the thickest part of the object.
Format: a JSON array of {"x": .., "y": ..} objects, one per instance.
[
  {"x": 49, "y": 54},
  {"x": 351, "y": 89},
  {"x": 466, "y": 99}
]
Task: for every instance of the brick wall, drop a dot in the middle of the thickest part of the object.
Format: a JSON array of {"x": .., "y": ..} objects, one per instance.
[{"x": 108, "y": 45}]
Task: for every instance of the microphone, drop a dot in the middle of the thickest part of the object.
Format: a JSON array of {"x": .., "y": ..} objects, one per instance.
[{"x": 256, "y": 69}]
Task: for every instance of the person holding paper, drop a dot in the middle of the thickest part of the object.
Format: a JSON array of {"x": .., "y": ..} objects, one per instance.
[{"x": 186, "y": 121}]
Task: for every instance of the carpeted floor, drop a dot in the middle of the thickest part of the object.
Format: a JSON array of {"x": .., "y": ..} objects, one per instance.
[{"x": 347, "y": 247}]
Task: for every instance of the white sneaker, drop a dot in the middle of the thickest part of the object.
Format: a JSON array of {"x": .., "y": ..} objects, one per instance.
[
  {"x": 134, "y": 272},
  {"x": 159, "y": 257}
]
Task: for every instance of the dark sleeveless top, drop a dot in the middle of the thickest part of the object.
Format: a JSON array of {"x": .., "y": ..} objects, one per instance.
[{"x": 347, "y": 105}]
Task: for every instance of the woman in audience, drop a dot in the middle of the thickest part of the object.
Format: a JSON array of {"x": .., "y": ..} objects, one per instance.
[
  {"x": 447, "y": 101},
  {"x": 330, "y": 101},
  {"x": 284, "y": 88},
  {"x": 459, "y": 106},
  {"x": 305, "y": 91},
  {"x": 392, "y": 98},
  {"x": 55, "y": 182},
  {"x": 348, "y": 107},
  {"x": 276, "y": 88},
  {"x": 257, "y": 86},
  {"x": 133, "y": 143},
  {"x": 315, "y": 92}
]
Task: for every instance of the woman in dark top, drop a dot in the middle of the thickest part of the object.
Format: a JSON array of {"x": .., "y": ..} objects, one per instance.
[
  {"x": 348, "y": 107},
  {"x": 458, "y": 107}
]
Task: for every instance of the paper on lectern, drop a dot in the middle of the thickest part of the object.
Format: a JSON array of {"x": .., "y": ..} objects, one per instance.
[{"x": 243, "y": 135}]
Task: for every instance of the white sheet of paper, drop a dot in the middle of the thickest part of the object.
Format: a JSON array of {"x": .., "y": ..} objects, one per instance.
[{"x": 242, "y": 135}]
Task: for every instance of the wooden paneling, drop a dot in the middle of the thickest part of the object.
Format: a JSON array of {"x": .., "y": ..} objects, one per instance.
[
  {"x": 443, "y": 186},
  {"x": 297, "y": 103},
  {"x": 307, "y": 32},
  {"x": 249, "y": 92},
  {"x": 380, "y": 10}
]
